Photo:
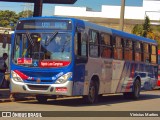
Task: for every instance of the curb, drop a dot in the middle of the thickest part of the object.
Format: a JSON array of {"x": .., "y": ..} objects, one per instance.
[
  {"x": 17, "y": 99},
  {"x": 5, "y": 100},
  {"x": 5, "y": 96}
]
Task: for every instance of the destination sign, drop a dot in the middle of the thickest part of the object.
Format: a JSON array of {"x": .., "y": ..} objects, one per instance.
[{"x": 44, "y": 24}]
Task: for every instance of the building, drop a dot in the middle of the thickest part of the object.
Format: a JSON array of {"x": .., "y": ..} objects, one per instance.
[
  {"x": 109, "y": 15},
  {"x": 5, "y": 39},
  {"x": 3, "y": 30}
]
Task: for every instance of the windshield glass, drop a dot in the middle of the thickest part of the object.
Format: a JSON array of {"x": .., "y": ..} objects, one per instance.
[{"x": 42, "y": 49}]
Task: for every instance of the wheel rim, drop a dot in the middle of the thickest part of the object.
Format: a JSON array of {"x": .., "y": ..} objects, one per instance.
[{"x": 92, "y": 93}]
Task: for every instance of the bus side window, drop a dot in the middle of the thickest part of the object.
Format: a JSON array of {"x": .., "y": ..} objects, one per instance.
[
  {"x": 146, "y": 52},
  {"x": 138, "y": 50},
  {"x": 81, "y": 46},
  {"x": 93, "y": 43},
  {"x": 106, "y": 49},
  {"x": 84, "y": 39},
  {"x": 128, "y": 50},
  {"x": 118, "y": 50},
  {"x": 153, "y": 54}
]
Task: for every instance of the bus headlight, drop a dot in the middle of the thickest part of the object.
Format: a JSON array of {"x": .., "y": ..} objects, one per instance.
[
  {"x": 64, "y": 78},
  {"x": 16, "y": 77}
]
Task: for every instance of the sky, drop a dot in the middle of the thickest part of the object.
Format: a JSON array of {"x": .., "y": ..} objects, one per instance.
[{"x": 48, "y": 9}]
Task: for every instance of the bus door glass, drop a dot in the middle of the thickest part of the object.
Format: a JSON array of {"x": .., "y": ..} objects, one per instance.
[{"x": 80, "y": 54}]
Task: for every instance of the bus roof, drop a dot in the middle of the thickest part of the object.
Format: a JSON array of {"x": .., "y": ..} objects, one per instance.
[
  {"x": 99, "y": 28},
  {"x": 134, "y": 37},
  {"x": 118, "y": 32}
]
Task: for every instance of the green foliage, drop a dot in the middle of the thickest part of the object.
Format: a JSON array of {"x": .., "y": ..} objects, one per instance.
[
  {"x": 137, "y": 29},
  {"x": 146, "y": 30},
  {"x": 146, "y": 27},
  {"x": 157, "y": 38},
  {"x": 143, "y": 30},
  {"x": 7, "y": 17},
  {"x": 24, "y": 14},
  {"x": 155, "y": 28}
]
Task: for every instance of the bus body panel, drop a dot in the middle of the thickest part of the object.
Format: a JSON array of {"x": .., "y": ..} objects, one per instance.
[
  {"x": 158, "y": 82},
  {"x": 113, "y": 76},
  {"x": 117, "y": 76},
  {"x": 45, "y": 89}
]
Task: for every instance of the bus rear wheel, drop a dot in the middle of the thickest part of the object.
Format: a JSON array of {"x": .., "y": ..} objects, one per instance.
[
  {"x": 92, "y": 96},
  {"x": 135, "y": 94},
  {"x": 41, "y": 98}
]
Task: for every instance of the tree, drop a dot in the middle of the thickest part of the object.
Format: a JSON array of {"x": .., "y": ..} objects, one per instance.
[
  {"x": 146, "y": 27},
  {"x": 143, "y": 30},
  {"x": 6, "y": 17},
  {"x": 137, "y": 29},
  {"x": 146, "y": 30},
  {"x": 24, "y": 14},
  {"x": 10, "y": 17},
  {"x": 157, "y": 38}
]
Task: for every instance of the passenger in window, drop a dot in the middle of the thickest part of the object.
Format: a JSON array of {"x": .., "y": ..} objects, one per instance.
[{"x": 106, "y": 53}]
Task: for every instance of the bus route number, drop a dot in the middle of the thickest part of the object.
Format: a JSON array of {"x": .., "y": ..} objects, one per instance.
[{"x": 45, "y": 24}]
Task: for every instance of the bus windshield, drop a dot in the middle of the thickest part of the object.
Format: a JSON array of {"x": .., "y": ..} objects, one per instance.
[{"x": 42, "y": 49}]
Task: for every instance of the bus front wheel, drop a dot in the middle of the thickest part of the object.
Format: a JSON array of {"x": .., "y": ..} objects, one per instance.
[{"x": 92, "y": 96}]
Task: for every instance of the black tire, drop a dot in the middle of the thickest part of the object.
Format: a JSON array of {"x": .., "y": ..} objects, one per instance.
[
  {"x": 92, "y": 96},
  {"x": 127, "y": 95},
  {"x": 2, "y": 83},
  {"x": 41, "y": 99},
  {"x": 135, "y": 94}
]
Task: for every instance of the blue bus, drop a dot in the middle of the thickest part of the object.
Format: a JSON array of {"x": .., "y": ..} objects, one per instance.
[{"x": 53, "y": 56}]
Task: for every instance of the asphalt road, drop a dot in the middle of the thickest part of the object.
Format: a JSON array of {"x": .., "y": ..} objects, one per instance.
[{"x": 149, "y": 101}]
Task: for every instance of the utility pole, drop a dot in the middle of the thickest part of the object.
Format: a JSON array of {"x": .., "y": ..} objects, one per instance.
[
  {"x": 38, "y": 4},
  {"x": 122, "y": 15}
]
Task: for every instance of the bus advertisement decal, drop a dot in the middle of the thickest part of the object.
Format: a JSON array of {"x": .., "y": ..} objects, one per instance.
[
  {"x": 53, "y": 63},
  {"x": 24, "y": 61}
]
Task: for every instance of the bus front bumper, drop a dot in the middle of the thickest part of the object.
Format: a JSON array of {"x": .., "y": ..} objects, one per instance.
[{"x": 47, "y": 89}]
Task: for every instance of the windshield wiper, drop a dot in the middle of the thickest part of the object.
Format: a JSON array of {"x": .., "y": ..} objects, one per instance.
[
  {"x": 64, "y": 45},
  {"x": 50, "y": 38},
  {"x": 31, "y": 41},
  {"x": 29, "y": 38}
]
